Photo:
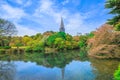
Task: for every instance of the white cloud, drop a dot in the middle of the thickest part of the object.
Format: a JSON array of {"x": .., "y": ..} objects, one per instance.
[
  {"x": 15, "y": 14},
  {"x": 74, "y": 22},
  {"x": 23, "y": 3},
  {"x": 19, "y": 1},
  {"x": 22, "y": 30},
  {"x": 75, "y": 2},
  {"x": 45, "y": 5},
  {"x": 47, "y": 15},
  {"x": 9, "y": 12},
  {"x": 28, "y": 3},
  {"x": 65, "y": 2}
]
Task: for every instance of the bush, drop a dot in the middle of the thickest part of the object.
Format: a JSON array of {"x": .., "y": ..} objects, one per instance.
[
  {"x": 83, "y": 41},
  {"x": 28, "y": 49},
  {"x": 7, "y": 47},
  {"x": 117, "y": 27},
  {"x": 117, "y": 74},
  {"x": 18, "y": 44},
  {"x": 38, "y": 49}
]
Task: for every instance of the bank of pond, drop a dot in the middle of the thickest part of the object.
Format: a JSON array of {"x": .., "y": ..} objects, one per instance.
[{"x": 32, "y": 50}]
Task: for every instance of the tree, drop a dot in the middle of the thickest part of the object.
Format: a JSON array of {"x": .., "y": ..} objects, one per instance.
[
  {"x": 114, "y": 5},
  {"x": 26, "y": 40},
  {"x": 7, "y": 28},
  {"x": 51, "y": 39},
  {"x": 102, "y": 35}
]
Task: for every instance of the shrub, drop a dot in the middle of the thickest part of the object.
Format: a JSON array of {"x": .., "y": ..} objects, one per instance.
[
  {"x": 37, "y": 48},
  {"x": 28, "y": 49},
  {"x": 117, "y": 27},
  {"x": 19, "y": 44},
  {"x": 7, "y": 47},
  {"x": 83, "y": 41},
  {"x": 117, "y": 74}
]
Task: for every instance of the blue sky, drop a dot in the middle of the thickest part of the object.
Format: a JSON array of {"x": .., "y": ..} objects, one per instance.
[{"x": 38, "y": 16}]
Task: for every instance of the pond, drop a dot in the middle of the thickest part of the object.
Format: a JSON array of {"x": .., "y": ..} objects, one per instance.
[{"x": 68, "y": 65}]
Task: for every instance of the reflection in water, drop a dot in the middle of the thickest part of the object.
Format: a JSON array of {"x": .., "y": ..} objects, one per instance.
[
  {"x": 73, "y": 71},
  {"x": 69, "y": 65},
  {"x": 63, "y": 72},
  {"x": 7, "y": 71},
  {"x": 104, "y": 69}
]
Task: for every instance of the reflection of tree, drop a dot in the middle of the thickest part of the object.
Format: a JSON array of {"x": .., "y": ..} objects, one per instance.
[
  {"x": 62, "y": 58},
  {"x": 104, "y": 69},
  {"x": 7, "y": 71},
  {"x": 49, "y": 60}
]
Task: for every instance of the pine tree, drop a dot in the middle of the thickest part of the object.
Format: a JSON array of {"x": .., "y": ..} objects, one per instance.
[{"x": 114, "y": 5}]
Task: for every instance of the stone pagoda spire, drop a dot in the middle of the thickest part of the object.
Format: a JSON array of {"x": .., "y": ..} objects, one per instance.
[{"x": 62, "y": 29}]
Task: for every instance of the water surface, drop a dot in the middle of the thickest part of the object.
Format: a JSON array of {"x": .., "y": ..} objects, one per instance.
[{"x": 57, "y": 66}]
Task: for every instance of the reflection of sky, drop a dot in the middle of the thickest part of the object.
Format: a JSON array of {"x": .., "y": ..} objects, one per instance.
[{"x": 76, "y": 70}]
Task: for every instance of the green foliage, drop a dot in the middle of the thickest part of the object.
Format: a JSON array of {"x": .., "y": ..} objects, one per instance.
[
  {"x": 68, "y": 37},
  {"x": 83, "y": 41},
  {"x": 7, "y": 47},
  {"x": 38, "y": 42},
  {"x": 38, "y": 47},
  {"x": 117, "y": 27},
  {"x": 19, "y": 44},
  {"x": 117, "y": 74},
  {"x": 62, "y": 41},
  {"x": 90, "y": 35},
  {"x": 114, "y": 5},
  {"x": 28, "y": 49},
  {"x": 51, "y": 39},
  {"x": 84, "y": 38},
  {"x": 58, "y": 41}
]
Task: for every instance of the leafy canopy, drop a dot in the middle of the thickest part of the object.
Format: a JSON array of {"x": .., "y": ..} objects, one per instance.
[{"x": 114, "y": 6}]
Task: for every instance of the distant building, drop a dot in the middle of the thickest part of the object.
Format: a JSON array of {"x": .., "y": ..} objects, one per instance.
[{"x": 62, "y": 29}]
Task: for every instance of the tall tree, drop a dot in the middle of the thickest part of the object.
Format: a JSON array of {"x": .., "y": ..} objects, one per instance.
[{"x": 6, "y": 29}]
